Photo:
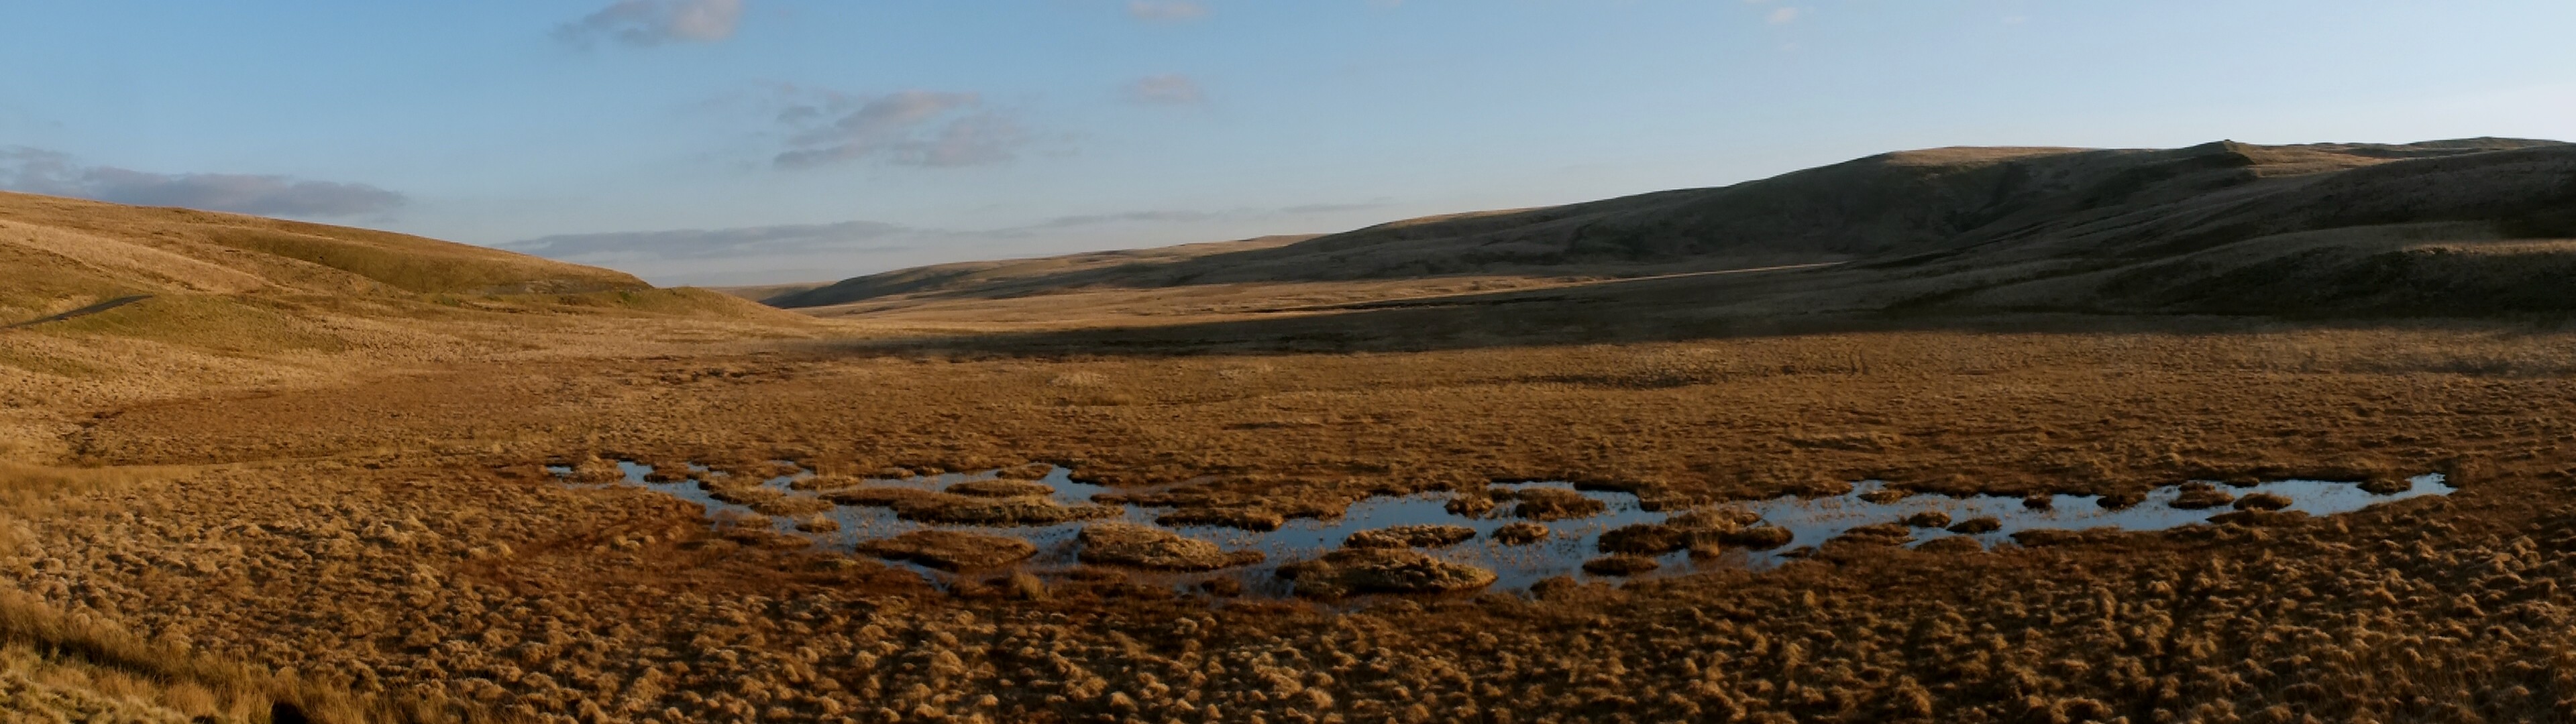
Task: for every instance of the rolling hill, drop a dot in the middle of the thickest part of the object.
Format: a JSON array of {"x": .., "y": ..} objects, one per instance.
[
  {"x": 107, "y": 301},
  {"x": 2466, "y": 226},
  {"x": 58, "y": 254}
]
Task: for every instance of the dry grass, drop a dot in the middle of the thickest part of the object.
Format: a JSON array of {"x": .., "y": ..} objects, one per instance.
[
  {"x": 203, "y": 529},
  {"x": 631, "y": 605}
]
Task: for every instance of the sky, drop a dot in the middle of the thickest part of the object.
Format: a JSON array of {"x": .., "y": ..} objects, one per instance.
[{"x": 765, "y": 141}]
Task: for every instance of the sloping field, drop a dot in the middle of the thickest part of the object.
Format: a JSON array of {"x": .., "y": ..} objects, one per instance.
[{"x": 1974, "y": 228}]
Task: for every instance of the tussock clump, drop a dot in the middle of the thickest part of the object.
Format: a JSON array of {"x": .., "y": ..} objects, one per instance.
[
  {"x": 1550, "y": 504},
  {"x": 1411, "y": 536},
  {"x": 1929, "y": 519},
  {"x": 2041, "y": 537},
  {"x": 1645, "y": 538},
  {"x": 1952, "y": 544},
  {"x": 1024, "y": 586},
  {"x": 2259, "y": 517},
  {"x": 1878, "y": 534},
  {"x": 1470, "y": 505},
  {"x": 2039, "y": 501},
  {"x": 1884, "y": 496},
  {"x": 1222, "y": 587},
  {"x": 1979, "y": 524},
  {"x": 935, "y": 507},
  {"x": 1138, "y": 546},
  {"x": 818, "y": 524},
  {"x": 2197, "y": 495},
  {"x": 1382, "y": 570},
  {"x": 1620, "y": 565},
  {"x": 1001, "y": 488},
  {"x": 1026, "y": 471},
  {"x": 1678, "y": 532},
  {"x": 2263, "y": 501},
  {"x": 1760, "y": 537},
  {"x": 1716, "y": 519},
  {"x": 950, "y": 550},
  {"x": 2121, "y": 500},
  {"x": 2387, "y": 486},
  {"x": 825, "y": 482},
  {"x": 1011, "y": 511},
  {"x": 1519, "y": 533},
  {"x": 1252, "y": 519},
  {"x": 596, "y": 471},
  {"x": 733, "y": 490}
]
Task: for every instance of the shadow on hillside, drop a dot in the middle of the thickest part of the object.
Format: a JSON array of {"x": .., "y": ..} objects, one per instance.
[{"x": 1536, "y": 321}]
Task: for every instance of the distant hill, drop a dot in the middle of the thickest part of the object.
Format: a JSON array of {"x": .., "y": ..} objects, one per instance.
[
  {"x": 57, "y": 253},
  {"x": 1019, "y": 276},
  {"x": 2029, "y": 228},
  {"x": 82, "y": 283}
]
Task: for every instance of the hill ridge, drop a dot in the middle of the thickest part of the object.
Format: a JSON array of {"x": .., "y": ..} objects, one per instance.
[{"x": 1994, "y": 205}]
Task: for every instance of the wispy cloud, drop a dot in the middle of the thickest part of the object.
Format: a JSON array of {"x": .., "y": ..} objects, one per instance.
[
  {"x": 1125, "y": 217},
  {"x": 722, "y": 243},
  {"x": 808, "y": 252},
  {"x": 1783, "y": 16},
  {"x": 1166, "y": 10},
  {"x": 912, "y": 128},
  {"x": 1169, "y": 89},
  {"x": 645, "y": 23},
  {"x": 40, "y": 171}
]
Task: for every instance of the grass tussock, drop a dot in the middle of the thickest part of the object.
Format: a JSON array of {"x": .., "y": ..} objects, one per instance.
[{"x": 94, "y": 665}]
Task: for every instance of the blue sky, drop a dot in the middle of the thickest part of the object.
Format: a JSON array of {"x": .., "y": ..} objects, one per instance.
[{"x": 744, "y": 141}]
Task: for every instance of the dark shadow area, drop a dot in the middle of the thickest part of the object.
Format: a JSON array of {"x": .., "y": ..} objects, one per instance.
[
  {"x": 83, "y": 311},
  {"x": 1679, "y": 310}
]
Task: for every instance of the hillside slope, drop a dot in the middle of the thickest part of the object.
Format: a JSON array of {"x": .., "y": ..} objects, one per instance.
[
  {"x": 1015, "y": 276},
  {"x": 103, "y": 302},
  {"x": 58, "y": 254},
  {"x": 1981, "y": 218}
]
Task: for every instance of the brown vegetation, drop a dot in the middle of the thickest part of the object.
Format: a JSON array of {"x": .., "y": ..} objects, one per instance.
[
  {"x": 1138, "y": 546},
  {"x": 315, "y": 497},
  {"x": 1411, "y": 536}
]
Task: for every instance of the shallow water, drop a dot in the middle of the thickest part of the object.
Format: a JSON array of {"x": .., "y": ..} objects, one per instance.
[
  {"x": 1812, "y": 520},
  {"x": 1817, "y": 520}
]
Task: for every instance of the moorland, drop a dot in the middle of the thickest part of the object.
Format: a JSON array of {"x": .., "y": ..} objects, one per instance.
[{"x": 260, "y": 469}]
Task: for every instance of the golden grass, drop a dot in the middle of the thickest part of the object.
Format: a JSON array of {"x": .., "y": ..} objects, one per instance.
[
  {"x": 367, "y": 524},
  {"x": 223, "y": 324},
  {"x": 509, "y": 574}
]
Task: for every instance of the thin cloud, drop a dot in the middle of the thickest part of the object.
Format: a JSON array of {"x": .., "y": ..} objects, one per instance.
[
  {"x": 1166, "y": 11},
  {"x": 1333, "y": 208},
  {"x": 1783, "y": 16},
  {"x": 647, "y": 23},
  {"x": 52, "y": 173},
  {"x": 1169, "y": 89},
  {"x": 810, "y": 252},
  {"x": 861, "y": 236},
  {"x": 910, "y": 128},
  {"x": 722, "y": 243},
  {"x": 1128, "y": 217}
]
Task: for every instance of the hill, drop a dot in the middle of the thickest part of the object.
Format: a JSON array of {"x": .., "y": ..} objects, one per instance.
[
  {"x": 2026, "y": 228},
  {"x": 103, "y": 301},
  {"x": 1014, "y": 276},
  {"x": 57, "y": 254}
]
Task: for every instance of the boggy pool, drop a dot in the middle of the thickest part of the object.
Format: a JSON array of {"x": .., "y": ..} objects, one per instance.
[{"x": 1569, "y": 544}]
